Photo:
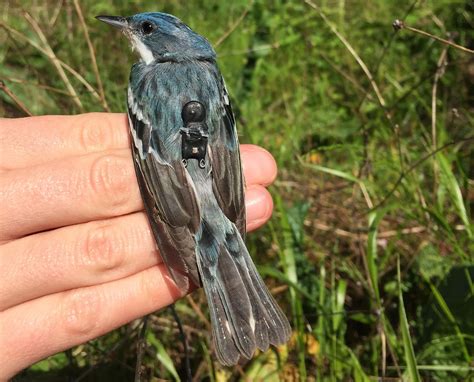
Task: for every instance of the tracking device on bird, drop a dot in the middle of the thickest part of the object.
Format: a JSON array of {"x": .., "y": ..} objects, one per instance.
[{"x": 194, "y": 133}]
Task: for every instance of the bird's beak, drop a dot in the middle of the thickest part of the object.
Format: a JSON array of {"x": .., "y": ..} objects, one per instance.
[{"x": 116, "y": 21}]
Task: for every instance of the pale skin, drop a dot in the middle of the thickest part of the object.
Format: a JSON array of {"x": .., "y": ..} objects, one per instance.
[{"x": 77, "y": 257}]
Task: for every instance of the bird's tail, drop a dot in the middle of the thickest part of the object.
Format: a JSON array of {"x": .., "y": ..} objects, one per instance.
[{"x": 244, "y": 315}]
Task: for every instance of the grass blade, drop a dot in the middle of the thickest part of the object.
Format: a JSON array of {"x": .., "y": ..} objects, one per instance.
[
  {"x": 409, "y": 352},
  {"x": 288, "y": 257},
  {"x": 449, "y": 315},
  {"x": 451, "y": 183},
  {"x": 331, "y": 171},
  {"x": 163, "y": 356},
  {"x": 374, "y": 220}
]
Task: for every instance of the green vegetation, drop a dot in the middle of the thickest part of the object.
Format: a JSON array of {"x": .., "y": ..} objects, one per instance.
[{"x": 370, "y": 250}]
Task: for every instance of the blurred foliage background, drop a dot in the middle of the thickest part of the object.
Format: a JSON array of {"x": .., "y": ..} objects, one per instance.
[{"x": 370, "y": 249}]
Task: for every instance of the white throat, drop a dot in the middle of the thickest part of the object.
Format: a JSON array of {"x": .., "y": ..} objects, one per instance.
[{"x": 145, "y": 54}]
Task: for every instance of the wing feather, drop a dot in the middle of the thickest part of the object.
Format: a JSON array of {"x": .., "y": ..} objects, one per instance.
[
  {"x": 169, "y": 198},
  {"x": 228, "y": 181}
]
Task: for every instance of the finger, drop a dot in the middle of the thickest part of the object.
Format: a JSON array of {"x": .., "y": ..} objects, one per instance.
[
  {"x": 91, "y": 253},
  {"x": 75, "y": 190},
  {"x": 78, "y": 316},
  {"x": 258, "y": 164},
  {"x": 75, "y": 256},
  {"x": 81, "y": 189},
  {"x": 32, "y": 141},
  {"x": 259, "y": 205}
]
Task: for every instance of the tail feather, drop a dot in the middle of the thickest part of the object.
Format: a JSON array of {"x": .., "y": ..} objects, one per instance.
[
  {"x": 237, "y": 304},
  {"x": 226, "y": 350},
  {"x": 244, "y": 314},
  {"x": 275, "y": 328}
]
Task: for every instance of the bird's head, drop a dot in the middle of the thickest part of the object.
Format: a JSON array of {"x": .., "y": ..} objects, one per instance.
[{"x": 159, "y": 37}]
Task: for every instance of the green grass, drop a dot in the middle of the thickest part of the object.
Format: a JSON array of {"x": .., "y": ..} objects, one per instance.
[{"x": 373, "y": 134}]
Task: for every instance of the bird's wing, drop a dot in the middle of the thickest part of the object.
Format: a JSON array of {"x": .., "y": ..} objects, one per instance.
[
  {"x": 228, "y": 181},
  {"x": 168, "y": 195}
]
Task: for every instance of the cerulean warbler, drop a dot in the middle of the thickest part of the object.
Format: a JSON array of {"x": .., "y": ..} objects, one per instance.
[{"x": 187, "y": 161}]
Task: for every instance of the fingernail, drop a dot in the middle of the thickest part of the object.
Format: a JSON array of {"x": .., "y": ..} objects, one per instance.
[
  {"x": 259, "y": 166},
  {"x": 259, "y": 205}
]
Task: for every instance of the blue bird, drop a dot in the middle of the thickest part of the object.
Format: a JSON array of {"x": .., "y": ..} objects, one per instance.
[{"x": 187, "y": 161}]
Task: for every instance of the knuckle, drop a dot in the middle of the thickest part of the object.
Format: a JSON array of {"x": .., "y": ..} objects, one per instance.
[
  {"x": 111, "y": 180},
  {"x": 103, "y": 248},
  {"x": 81, "y": 310},
  {"x": 95, "y": 137}
]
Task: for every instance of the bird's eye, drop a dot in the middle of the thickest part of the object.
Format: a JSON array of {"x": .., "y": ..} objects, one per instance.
[{"x": 147, "y": 27}]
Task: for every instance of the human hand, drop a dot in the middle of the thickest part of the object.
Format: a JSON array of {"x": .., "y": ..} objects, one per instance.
[{"x": 77, "y": 257}]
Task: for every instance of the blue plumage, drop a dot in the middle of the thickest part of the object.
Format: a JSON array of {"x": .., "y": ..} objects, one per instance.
[{"x": 190, "y": 177}]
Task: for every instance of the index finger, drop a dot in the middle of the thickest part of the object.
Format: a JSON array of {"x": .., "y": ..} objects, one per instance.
[{"x": 32, "y": 141}]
